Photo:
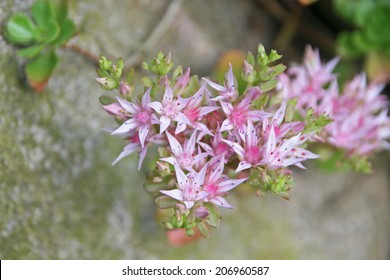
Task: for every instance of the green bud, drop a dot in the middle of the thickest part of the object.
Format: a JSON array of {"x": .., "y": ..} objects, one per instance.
[
  {"x": 104, "y": 63},
  {"x": 190, "y": 232},
  {"x": 268, "y": 85},
  {"x": 273, "y": 56},
  {"x": 147, "y": 82},
  {"x": 120, "y": 63},
  {"x": 160, "y": 55},
  {"x": 117, "y": 73},
  {"x": 250, "y": 58},
  {"x": 107, "y": 83},
  {"x": 145, "y": 66},
  {"x": 177, "y": 72}
]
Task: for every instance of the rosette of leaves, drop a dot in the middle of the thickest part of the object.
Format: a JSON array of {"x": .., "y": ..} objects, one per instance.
[
  {"x": 371, "y": 20},
  {"x": 38, "y": 34}
]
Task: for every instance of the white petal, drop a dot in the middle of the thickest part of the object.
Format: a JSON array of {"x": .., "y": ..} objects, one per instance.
[
  {"x": 190, "y": 145},
  {"x": 199, "y": 178},
  {"x": 216, "y": 174},
  {"x": 236, "y": 147},
  {"x": 227, "y": 185},
  {"x": 174, "y": 144},
  {"x": 142, "y": 155},
  {"x": 128, "y": 106},
  {"x": 143, "y": 133},
  {"x": 125, "y": 127},
  {"x": 157, "y": 106},
  {"x": 146, "y": 98},
  {"x": 189, "y": 204},
  {"x": 180, "y": 117},
  {"x": 127, "y": 150},
  {"x": 216, "y": 86},
  {"x": 164, "y": 123},
  {"x": 279, "y": 115},
  {"x": 242, "y": 166},
  {"x": 182, "y": 178},
  {"x": 226, "y": 107},
  {"x": 180, "y": 128},
  {"x": 176, "y": 194},
  {"x": 168, "y": 95},
  {"x": 220, "y": 201},
  {"x": 226, "y": 125},
  {"x": 207, "y": 109},
  {"x": 171, "y": 160}
]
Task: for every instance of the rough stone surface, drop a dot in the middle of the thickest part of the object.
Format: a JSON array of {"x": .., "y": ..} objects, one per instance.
[{"x": 61, "y": 199}]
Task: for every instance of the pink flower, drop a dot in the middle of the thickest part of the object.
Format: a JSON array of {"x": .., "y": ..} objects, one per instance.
[
  {"x": 227, "y": 92},
  {"x": 170, "y": 110},
  {"x": 285, "y": 152},
  {"x": 360, "y": 124},
  {"x": 218, "y": 146},
  {"x": 141, "y": 117},
  {"x": 308, "y": 82},
  {"x": 195, "y": 112},
  {"x": 184, "y": 156},
  {"x": 189, "y": 187},
  {"x": 116, "y": 109},
  {"x": 281, "y": 129},
  {"x": 218, "y": 185},
  {"x": 238, "y": 116},
  {"x": 182, "y": 82},
  {"x": 251, "y": 154}
]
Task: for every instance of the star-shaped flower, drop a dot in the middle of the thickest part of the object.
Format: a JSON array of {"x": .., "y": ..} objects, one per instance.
[
  {"x": 189, "y": 187},
  {"x": 238, "y": 116},
  {"x": 185, "y": 156},
  {"x": 170, "y": 110},
  {"x": 227, "y": 92},
  {"x": 141, "y": 117},
  {"x": 218, "y": 185}
]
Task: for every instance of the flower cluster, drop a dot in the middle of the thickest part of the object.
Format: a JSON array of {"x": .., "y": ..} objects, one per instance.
[
  {"x": 211, "y": 136},
  {"x": 360, "y": 124}
]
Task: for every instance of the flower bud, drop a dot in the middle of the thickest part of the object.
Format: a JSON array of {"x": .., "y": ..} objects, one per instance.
[
  {"x": 201, "y": 212},
  {"x": 107, "y": 83},
  {"x": 104, "y": 63},
  {"x": 124, "y": 88}
]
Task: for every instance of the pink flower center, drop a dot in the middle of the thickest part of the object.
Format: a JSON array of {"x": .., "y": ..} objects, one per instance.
[
  {"x": 170, "y": 110},
  {"x": 253, "y": 154},
  {"x": 239, "y": 117},
  {"x": 143, "y": 117},
  {"x": 192, "y": 113},
  {"x": 212, "y": 189},
  {"x": 186, "y": 160},
  {"x": 221, "y": 148}
]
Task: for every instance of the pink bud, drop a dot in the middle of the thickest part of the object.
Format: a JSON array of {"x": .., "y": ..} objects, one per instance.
[{"x": 201, "y": 212}]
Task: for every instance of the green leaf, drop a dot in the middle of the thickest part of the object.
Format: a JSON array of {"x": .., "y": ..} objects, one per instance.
[
  {"x": 204, "y": 231},
  {"x": 106, "y": 100},
  {"x": 165, "y": 202},
  {"x": 30, "y": 52},
  {"x": 260, "y": 102},
  {"x": 67, "y": 30},
  {"x": 273, "y": 56},
  {"x": 52, "y": 31},
  {"x": 59, "y": 10},
  {"x": 268, "y": 85},
  {"x": 40, "y": 69},
  {"x": 20, "y": 29},
  {"x": 41, "y": 12}
]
